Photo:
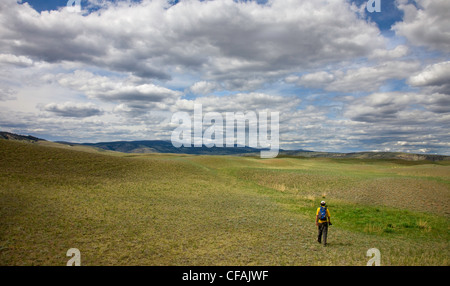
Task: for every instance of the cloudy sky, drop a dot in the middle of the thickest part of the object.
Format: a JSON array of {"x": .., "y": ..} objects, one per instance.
[{"x": 343, "y": 79}]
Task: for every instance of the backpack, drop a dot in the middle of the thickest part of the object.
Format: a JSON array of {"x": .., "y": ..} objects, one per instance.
[{"x": 323, "y": 213}]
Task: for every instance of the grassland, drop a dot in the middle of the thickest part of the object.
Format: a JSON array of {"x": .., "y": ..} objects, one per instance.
[{"x": 162, "y": 209}]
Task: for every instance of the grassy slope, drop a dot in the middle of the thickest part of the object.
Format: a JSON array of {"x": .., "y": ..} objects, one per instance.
[{"x": 162, "y": 209}]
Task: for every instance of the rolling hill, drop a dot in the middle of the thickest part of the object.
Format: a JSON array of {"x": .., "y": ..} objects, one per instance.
[
  {"x": 12, "y": 136},
  {"x": 160, "y": 146}
]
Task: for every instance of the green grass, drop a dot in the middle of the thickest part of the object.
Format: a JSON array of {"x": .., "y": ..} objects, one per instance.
[
  {"x": 390, "y": 222},
  {"x": 165, "y": 209}
]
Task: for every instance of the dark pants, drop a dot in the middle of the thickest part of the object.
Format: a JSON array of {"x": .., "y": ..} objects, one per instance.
[{"x": 323, "y": 231}]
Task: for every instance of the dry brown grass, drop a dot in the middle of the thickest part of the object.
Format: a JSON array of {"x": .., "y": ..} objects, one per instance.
[{"x": 413, "y": 193}]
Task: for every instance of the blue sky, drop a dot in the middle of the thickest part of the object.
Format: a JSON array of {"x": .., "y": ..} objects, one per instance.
[
  {"x": 40, "y": 5},
  {"x": 343, "y": 79},
  {"x": 387, "y": 17}
]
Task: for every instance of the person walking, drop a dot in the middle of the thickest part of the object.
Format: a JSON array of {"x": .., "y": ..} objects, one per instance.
[{"x": 322, "y": 222}]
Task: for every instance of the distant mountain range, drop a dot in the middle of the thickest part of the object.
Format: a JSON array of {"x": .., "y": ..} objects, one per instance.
[
  {"x": 12, "y": 136},
  {"x": 159, "y": 146}
]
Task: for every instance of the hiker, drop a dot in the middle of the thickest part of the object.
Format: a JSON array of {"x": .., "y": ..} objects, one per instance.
[{"x": 322, "y": 222}]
